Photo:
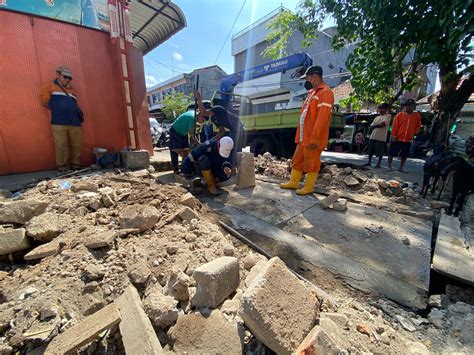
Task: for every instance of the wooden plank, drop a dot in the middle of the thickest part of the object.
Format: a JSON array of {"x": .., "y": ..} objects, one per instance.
[
  {"x": 138, "y": 335},
  {"x": 85, "y": 331},
  {"x": 451, "y": 257}
]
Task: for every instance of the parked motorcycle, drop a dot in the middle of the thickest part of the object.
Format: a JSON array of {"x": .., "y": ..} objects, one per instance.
[{"x": 163, "y": 139}]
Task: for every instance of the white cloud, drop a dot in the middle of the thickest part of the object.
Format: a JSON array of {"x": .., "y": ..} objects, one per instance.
[
  {"x": 173, "y": 45},
  {"x": 178, "y": 57},
  {"x": 150, "y": 80}
]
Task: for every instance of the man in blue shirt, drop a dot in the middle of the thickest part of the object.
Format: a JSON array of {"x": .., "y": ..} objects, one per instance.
[{"x": 211, "y": 160}]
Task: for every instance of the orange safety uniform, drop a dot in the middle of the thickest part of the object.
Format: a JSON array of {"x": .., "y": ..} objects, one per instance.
[
  {"x": 313, "y": 129},
  {"x": 405, "y": 126}
]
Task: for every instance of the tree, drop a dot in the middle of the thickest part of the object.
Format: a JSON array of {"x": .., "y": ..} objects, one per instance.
[
  {"x": 174, "y": 104},
  {"x": 386, "y": 34}
]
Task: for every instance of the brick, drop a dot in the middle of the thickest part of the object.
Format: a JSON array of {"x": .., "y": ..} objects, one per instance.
[
  {"x": 328, "y": 201},
  {"x": 187, "y": 214},
  {"x": 215, "y": 280},
  {"x": 278, "y": 309},
  {"x": 43, "y": 251},
  {"x": 13, "y": 240},
  {"x": 100, "y": 239}
]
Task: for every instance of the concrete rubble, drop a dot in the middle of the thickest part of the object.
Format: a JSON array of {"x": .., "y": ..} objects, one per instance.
[{"x": 117, "y": 242}]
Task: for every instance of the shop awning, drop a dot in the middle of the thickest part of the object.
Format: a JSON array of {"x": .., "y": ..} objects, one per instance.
[{"x": 153, "y": 22}]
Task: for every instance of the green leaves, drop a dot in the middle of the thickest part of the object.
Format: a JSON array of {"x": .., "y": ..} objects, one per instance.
[
  {"x": 175, "y": 104},
  {"x": 395, "y": 38}
]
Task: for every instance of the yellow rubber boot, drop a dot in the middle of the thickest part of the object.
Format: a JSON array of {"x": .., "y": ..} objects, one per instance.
[
  {"x": 308, "y": 184},
  {"x": 294, "y": 182},
  {"x": 209, "y": 179}
]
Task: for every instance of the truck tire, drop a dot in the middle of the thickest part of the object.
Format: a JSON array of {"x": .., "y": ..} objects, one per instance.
[{"x": 262, "y": 144}]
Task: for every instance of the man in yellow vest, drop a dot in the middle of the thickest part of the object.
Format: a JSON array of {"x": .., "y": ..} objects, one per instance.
[{"x": 312, "y": 133}]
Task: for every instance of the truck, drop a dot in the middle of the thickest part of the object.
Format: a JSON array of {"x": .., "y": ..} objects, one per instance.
[{"x": 274, "y": 131}]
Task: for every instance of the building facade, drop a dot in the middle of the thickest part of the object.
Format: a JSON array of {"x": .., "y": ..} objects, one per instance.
[
  {"x": 284, "y": 90},
  {"x": 210, "y": 79}
]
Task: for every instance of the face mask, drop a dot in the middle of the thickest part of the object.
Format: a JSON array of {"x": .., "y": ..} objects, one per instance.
[{"x": 308, "y": 85}]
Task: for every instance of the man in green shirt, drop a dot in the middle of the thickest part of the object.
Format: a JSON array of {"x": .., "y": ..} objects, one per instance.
[{"x": 180, "y": 130}]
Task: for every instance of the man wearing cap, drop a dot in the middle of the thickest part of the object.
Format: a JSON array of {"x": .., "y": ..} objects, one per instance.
[
  {"x": 405, "y": 125},
  {"x": 312, "y": 133},
  {"x": 227, "y": 123},
  {"x": 61, "y": 99},
  {"x": 180, "y": 130},
  {"x": 212, "y": 160}
]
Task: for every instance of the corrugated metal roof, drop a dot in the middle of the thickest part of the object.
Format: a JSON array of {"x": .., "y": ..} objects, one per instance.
[{"x": 153, "y": 22}]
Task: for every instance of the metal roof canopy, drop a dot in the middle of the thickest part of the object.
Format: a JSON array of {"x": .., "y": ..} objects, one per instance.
[{"x": 153, "y": 22}]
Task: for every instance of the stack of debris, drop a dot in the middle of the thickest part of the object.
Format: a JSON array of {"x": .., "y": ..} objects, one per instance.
[
  {"x": 270, "y": 166},
  {"x": 70, "y": 255}
]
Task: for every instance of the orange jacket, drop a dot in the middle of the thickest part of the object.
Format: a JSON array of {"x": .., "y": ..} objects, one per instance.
[
  {"x": 315, "y": 117},
  {"x": 405, "y": 126}
]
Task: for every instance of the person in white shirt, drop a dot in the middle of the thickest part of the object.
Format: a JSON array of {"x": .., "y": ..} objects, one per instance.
[{"x": 378, "y": 137}]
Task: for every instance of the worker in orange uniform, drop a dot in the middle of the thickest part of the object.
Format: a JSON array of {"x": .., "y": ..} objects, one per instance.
[
  {"x": 312, "y": 133},
  {"x": 406, "y": 125}
]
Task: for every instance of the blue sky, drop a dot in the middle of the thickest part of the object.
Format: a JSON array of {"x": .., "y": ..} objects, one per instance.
[{"x": 198, "y": 45}]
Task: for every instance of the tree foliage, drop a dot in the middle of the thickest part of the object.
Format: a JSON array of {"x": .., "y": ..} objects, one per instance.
[
  {"x": 394, "y": 40},
  {"x": 174, "y": 105}
]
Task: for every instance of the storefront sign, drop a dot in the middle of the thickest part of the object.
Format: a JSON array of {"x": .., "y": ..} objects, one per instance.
[{"x": 88, "y": 13}]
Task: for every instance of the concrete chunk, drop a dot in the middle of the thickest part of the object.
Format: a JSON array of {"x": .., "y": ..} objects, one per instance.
[
  {"x": 44, "y": 227},
  {"x": 187, "y": 214},
  {"x": 43, "y": 251},
  {"x": 101, "y": 239},
  {"x": 340, "y": 205},
  {"x": 318, "y": 342},
  {"x": 138, "y": 216},
  {"x": 278, "y": 309},
  {"x": 216, "y": 280},
  {"x": 13, "y": 240},
  {"x": 196, "y": 334},
  {"x": 138, "y": 159},
  {"x": 188, "y": 200},
  {"x": 21, "y": 211},
  {"x": 328, "y": 201}
]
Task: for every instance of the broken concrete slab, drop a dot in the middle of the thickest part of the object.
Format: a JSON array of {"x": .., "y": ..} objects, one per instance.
[
  {"x": 340, "y": 205},
  {"x": 360, "y": 176},
  {"x": 43, "y": 251},
  {"x": 351, "y": 181},
  {"x": 101, "y": 239},
  {"x": 108, "y": 196},
  {"x": 138, "y": 216},
  {"x": 328, "y": 201},
  {"x": 278, "y": 309},
  {"x": 160, "y": 309},
  {"x": 138, "y": 335},
  {"x": 13, "y": 240},
  {"x": 177, "y": 286},
  {"x": 21, "y": 211},
  {"x": 196, "y": 334},
  {"x": 215, "y": 280},
  {"x": 187, "y": 214},
  {"x": 139, "y": 272},
  {"x": 85, "y": 331},
  {"x": 452, "y": 256},
  {"x": 44, "y": 227},
  {"x": 189, "y": 200},
  {"x": 318, "y": 342}
]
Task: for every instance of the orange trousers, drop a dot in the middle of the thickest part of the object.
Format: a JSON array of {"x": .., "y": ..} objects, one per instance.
[{"x": 306, "y": 160}]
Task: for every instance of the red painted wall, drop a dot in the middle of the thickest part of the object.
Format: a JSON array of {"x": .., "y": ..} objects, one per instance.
[{"x": 31, "y": 49}]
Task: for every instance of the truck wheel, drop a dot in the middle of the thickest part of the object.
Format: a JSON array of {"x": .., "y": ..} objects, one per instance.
[{"x": 260, "y": 145}]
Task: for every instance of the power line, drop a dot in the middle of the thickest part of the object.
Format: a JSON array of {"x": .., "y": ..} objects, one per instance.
[{"x": 230, "y": 31}]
